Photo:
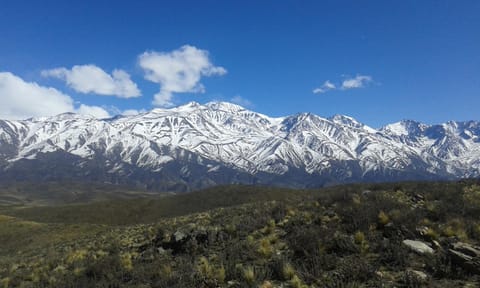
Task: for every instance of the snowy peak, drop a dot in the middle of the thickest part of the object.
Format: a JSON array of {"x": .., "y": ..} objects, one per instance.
[
  {"x": 195, "y": 106},
  {"x": 188, "y": 107},
  {"x": 345, "y": 120},
  {"x": 225, "y": 106},
  {"x": 405, "y": 128},
  {"x": 466, "y": 129},
  {"x": 350, "y": 122}
]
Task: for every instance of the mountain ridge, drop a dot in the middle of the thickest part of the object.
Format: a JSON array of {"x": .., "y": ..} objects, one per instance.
[{"x": 194, "y": 146}]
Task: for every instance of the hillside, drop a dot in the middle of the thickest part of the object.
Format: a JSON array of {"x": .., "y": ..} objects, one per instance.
[{"x": 410, "y": 234}]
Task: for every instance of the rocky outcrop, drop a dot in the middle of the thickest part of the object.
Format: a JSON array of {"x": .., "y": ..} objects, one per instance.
[
  {"x": 466, "y": 256},
  {"x": 185, "y": 241}
]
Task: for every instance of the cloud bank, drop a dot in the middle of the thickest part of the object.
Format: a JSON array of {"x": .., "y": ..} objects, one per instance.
[
  {"x": 92, "y": 79},
  {"x": 20, "y": 100},
  {"x": 360, "y": 81},
  {"x": 178, "y": 71}
]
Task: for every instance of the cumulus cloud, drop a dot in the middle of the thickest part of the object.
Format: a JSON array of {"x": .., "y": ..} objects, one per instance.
[
  {"x": 21, "y": 99},
  {"x": 92, "y": 79},
  {"x": 178, "y": 71},
  {"x": 359, "y": 81},
  {"x": 241, "y": 101},
  {"x": 327, "y": 85},
  {"x": 132, "y": 112},
  {"x": 95, "y": 111}
]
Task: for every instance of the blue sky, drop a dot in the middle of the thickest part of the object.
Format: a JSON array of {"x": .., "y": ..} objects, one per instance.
[{"x": 388, "y": 60}]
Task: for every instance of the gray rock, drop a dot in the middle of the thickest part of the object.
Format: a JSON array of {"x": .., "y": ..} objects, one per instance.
[
  {"x": 436, "y": 245},
  {"x": 161, "y": 251},
  {"x": 468, "y": 249},
  {"x": 366, "y": 192},
  {"x": 418, "y": 197},
  {"x": 466, "y": 256},
  {"x": 419, "y": 275},
  {"x": 418, "y": 246},
  {"x": 179, "y": 236}
]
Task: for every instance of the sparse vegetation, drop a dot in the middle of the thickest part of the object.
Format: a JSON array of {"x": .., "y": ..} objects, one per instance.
[{"x": 240, "y": 236}]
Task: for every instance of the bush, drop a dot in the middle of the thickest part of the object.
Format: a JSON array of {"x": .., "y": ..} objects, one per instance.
[
  {"x": 288, "y": 271},
  {"x": 249, "y": 275},
  {"x": 383, "y": 218},
  {"x": 471, "y": 200}
]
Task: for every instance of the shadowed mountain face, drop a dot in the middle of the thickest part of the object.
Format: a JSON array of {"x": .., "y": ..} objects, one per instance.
[{"x": 195, "y": 146}]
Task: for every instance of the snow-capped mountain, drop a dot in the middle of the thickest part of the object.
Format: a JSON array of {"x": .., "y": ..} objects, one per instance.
[{"x": 193, "y": 146}]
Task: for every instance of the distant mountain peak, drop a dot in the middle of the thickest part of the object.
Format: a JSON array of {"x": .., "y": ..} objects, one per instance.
[
  {"x": 405, "y": 127},
  {"x": 188, "y": 105},
  {"x": 224, "y": 106},
  {"x": 345, "y": 120},
  {"x": 351, "y": 122}
]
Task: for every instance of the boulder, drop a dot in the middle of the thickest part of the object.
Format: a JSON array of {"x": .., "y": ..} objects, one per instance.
[
  {"x": 436, "y": 245},
  {"x": 179, "y": 236},
  {"x": 418, "y": 198},
  {"x": 186, "y": 241},
  {"x": 418, "y": 246},
  {"x": 366, "y": 193},
  {"x": 466, "y": 256},
  {"x": 418, "y": 275},
  {"x": 468, "y": 249}
]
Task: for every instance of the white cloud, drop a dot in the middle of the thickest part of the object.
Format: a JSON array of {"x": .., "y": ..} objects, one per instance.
[
  {"x": 132, "y": 112},
  {"x": 95, "y": 111},
  {"x": 20, "y": 100},
  {"x": 327, "y": 85},
  {"x": 359, "y": 81},
  {"x": 163, "y": 99},
  {"x": 241, "y": 101},
  {"x": 178, "y": 71},
  {"x": 92, "y": 79}
]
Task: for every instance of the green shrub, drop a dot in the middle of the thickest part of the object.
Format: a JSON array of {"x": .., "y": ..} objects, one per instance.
[
  {"x": 249, "y": 275},
  {"x": 383, "y": 218}
]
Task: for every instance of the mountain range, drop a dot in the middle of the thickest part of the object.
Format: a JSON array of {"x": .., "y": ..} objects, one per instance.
[{"x": 194, "y": 146}]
